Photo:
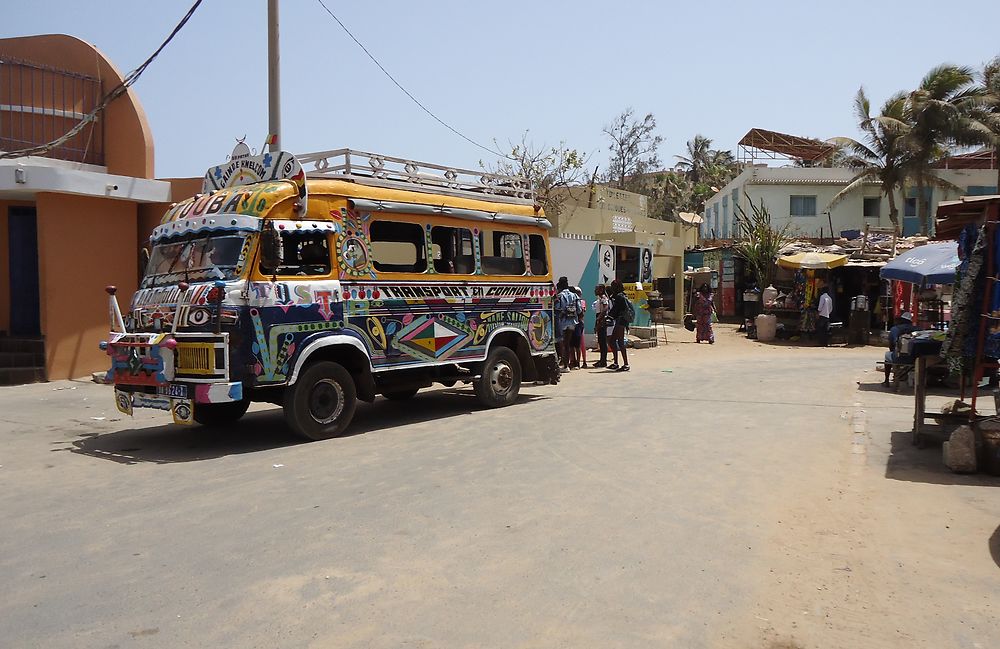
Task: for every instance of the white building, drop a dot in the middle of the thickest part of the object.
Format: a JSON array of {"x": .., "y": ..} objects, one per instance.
[{"x": 801, "y": 196}]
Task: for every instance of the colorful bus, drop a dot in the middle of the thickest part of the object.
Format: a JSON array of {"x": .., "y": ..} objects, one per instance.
[{"x": 314, "y": 289}]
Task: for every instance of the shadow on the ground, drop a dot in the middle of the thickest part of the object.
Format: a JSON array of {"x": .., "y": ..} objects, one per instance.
[
  {"x": 266, "y": 429},
  {"x": 806, "y": 344},
  {"x": 912, "y": 464},
  {"x": 994, "y": 544}
]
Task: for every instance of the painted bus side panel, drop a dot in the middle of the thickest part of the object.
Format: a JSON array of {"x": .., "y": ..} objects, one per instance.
[{"x": 399, "y": 325}]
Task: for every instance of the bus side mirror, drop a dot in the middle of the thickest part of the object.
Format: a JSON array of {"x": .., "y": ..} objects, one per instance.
[
  {"x": 143, "y": 261},
  {"x": 272, "y": 252}
]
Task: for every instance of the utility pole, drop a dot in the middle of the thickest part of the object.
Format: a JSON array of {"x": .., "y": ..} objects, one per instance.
[{"x": 273, "y": 76}]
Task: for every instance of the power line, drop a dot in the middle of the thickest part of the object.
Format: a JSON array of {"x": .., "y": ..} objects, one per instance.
[
  {"x": 115, "y": 93},
  {"x": 407, "y": 92}
]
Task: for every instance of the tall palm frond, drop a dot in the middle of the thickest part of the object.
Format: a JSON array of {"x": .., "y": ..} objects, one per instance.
[{"x": 880, "y": 158}]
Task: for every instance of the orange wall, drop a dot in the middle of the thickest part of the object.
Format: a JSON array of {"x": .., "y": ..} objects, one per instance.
[
  {"x": 128, "y": 140},
  {"x": 151, "y": 213},
  {"x": 84, "y": 244}
]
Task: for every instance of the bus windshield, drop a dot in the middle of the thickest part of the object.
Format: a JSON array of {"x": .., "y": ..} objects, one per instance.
[{"x": 195, "y": 258}]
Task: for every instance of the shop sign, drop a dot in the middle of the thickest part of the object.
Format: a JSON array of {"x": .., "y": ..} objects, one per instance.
[{"x": 243, "y": 168}]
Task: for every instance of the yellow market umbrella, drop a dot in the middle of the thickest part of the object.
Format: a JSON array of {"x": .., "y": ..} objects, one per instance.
[{"x": 812, "y": 260}]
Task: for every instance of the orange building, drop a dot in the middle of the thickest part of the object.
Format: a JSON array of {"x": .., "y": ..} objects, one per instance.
[{"x": 72, "y": 218}]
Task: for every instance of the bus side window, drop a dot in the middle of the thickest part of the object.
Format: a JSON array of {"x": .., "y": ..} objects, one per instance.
[
  {"x": 453, "y": 250},
  {"x": 502, "y": 253},
  {"x": 305, "y": 253},
  {"x": 539, "y": 262},
  {"x": 398, "y": 247}
]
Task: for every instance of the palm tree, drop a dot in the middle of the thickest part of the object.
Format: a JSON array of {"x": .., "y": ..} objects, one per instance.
[
  {"x": 699, "y": 156},
  {"x": 881, "y": 157},
  {"x": 940, "y": 113},
  {"x": 989, "y": 112}
]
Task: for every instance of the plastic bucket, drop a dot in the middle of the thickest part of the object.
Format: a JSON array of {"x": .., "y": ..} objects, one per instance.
[{"x": 767, "y": 327}]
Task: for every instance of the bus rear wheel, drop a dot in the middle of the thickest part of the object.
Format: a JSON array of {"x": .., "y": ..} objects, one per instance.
[
  {"x": 321, "y": 404},
  {"x": 220, "y": 414},
  {"x": 501, "y": 379}
]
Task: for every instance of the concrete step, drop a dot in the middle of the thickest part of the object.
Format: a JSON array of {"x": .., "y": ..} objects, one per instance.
[
  {"x": 21, "y": 359},
  {"x": 22, "y": 345},
  {"x": 21, "y": 375}
]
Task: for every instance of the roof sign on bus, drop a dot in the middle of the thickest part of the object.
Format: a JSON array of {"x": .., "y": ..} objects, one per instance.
[{"x": 243, "y": 168}]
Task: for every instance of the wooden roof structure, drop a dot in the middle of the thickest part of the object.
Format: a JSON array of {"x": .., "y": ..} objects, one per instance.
[
  {"x": 952, "y": 216},
  {"x": 760, "y": 143},
  {"x": 982, "y": 159}
]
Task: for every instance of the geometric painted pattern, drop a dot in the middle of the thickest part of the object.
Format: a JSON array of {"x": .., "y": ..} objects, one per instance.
[{"x": 433, "y": 337}]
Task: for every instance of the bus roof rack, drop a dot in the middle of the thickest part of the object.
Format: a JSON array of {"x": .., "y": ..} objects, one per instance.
[{"x": 398, "y": 173}]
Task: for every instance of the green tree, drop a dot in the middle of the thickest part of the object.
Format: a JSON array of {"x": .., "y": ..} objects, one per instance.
[
  {"x": 699, "y": 156},
  {"x": 941, "y": 114},
  {"x": 759, "y": 242},
  {"x": 547, "y": 169},
  {"x": 881, "y": 157},
  {"x": 988, "y": 113},
  {"x": 633, "y": 149},
  {"x": 669, "y": 192}
]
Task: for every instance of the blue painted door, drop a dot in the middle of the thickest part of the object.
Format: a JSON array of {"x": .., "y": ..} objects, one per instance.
[{"x": 22, "y": 229}]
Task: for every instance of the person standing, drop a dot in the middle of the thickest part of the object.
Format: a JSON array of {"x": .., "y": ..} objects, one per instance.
[
  {"x": 620, "y": 314},
  {"x": 704, "y": 309},
  {"x": 602, "y": 305},
  {"x": 823, "y": 311},
  {"x": 579, "y": 340},
  {"x": 567, "y": 315},
  {"x": 903, "y": 326}
]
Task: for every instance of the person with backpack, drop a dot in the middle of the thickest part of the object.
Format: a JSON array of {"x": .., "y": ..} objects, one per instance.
[
  {"x": 567, "y": 314},
  {"x": 622, "y": 313}
]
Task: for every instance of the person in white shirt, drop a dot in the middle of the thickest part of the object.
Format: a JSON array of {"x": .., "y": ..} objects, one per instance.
[{"x": 824, "y": 310}]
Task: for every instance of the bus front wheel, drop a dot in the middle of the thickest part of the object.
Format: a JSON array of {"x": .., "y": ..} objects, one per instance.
[
  {"x": 500, "y": 382},
  {"x": 321, "y": 404}
]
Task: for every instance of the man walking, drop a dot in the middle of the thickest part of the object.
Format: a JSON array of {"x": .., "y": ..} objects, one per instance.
[
  {"x": 824, "y": 310},
  {"x": 567, "y": 315}
]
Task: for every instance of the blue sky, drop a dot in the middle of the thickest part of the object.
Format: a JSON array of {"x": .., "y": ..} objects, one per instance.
[{"x": 559, "y": 70}]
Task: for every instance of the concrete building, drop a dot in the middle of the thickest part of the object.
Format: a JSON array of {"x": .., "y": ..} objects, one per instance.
[
  {"x": 801, "y": 196},
  {"x": 71, "y": 218},
  {"x": 619, "y": 217}
]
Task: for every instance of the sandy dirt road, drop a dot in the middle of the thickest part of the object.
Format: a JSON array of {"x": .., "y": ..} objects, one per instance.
[{"x": 733, "y": 495}]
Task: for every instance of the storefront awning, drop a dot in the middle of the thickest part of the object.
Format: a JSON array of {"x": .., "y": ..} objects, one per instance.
[{"x": 812, "y": 260}]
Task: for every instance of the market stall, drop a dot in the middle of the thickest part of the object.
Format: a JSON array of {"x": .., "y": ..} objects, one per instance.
[
  {"x": 971, "y": 344},
  {"x": 930, "y": 270},
  {"x": 793, "y": 296}
]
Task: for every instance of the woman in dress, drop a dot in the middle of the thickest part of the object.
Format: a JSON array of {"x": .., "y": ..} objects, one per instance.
[{"x": 704, "y": 307}]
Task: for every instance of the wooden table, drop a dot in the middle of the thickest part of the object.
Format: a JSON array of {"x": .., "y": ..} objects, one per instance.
[{"x": 935, "y": 425}]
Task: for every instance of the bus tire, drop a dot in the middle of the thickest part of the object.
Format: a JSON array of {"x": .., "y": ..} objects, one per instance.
[
  {"x": 501, "y": 379},
  {"x": 400, "y": 395},
  {"x": 215, "y": 415},
  {"x": 321, "y": 404}
]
